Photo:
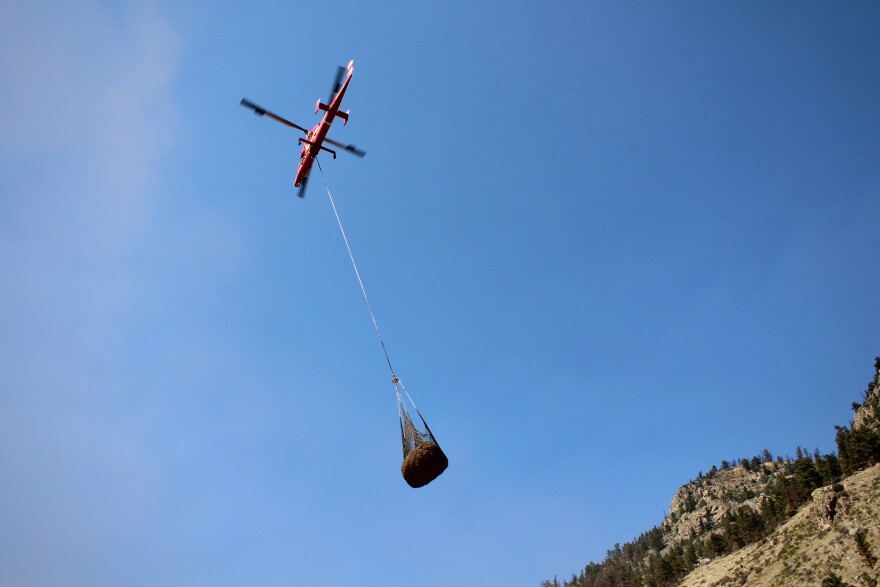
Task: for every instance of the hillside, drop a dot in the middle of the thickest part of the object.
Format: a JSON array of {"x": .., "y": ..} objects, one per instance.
[
  {"x": 808, "y": 520},
  {"x": 822, "y": 539}
]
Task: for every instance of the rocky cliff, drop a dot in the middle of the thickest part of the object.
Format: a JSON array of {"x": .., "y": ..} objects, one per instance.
[
  {"x": 867, "y": 416},
  {"x": 701, "y": 505}
]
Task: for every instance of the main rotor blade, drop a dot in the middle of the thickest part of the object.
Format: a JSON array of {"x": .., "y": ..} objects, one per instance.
[
  {"x": 350, "y": 148},
  {"x": 259, "y": 111},
  {"x": 336, "y": 84}
]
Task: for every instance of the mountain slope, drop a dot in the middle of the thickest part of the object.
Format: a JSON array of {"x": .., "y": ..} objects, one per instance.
[{"x": 820, "y": 540}]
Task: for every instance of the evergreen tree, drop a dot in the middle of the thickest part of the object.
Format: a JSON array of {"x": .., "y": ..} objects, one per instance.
[
  {"x": 750, "y": 525},
  {"x": 699, "y": 550},
  {"x": 662, "y": 571},
  {"x": 690, "y": 503},
  {"x": 807, "y": 479},
  {"x": 731, "y": 533},
  {"x": 829, "y": 467},
  {"x": 690, "y": 558},
  {"x": 715, "y": 545},
  {"x": 770, "y": 514},
  {"x": 858, "y": 448},
  {"x": 655, "y": 539},
  {"x": 833, "y": 580}
]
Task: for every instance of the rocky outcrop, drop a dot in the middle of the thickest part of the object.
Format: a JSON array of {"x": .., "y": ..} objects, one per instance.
[
  {"x": 700, "y": 505},
  {"x": 868, "y": 415},
  {"x": 829, "y": 503}
]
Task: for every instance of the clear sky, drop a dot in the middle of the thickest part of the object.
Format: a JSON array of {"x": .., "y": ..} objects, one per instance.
[{"x": 608, "y": 244}]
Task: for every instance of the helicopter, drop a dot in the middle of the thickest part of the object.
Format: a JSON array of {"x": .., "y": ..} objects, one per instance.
[{"x": 313, "y": 142}]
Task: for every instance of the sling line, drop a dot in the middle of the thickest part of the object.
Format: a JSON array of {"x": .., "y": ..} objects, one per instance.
[{"x": 398, "y": 384}]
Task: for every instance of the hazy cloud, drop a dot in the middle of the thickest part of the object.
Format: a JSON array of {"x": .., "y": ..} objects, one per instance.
[{"x": 87, "y": 119}]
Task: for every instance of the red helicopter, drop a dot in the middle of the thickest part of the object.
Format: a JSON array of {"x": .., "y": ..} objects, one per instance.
[{"x": 313, "y": 143}]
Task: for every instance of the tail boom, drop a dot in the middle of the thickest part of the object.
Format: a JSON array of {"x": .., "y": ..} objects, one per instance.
[{"x": 343, "y": 115}]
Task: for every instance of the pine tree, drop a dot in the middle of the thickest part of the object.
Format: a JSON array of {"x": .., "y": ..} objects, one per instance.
[
  {"x": 656, "y": 539},
  {"x": 715, "y": 545},
  {"x": 807, "y": 478},
  {"x": 749, "y": 524},
  {"x": 833, "y": 580},
  {"x": 662, "y": 571},
  {"x": 690, "y": 557},
  {"x": 829, "y": 467},
  {"x": 858, "y": 448}
]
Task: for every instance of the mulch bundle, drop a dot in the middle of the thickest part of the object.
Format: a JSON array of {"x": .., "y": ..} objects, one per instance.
[
  {"x": 423, "y": 464},
  {"x": 423, "y": 459}
]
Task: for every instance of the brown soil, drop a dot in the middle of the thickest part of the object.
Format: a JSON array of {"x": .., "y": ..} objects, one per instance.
[{"x": 423, "y": 464}]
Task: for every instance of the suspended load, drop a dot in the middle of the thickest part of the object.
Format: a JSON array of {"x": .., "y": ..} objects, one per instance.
[{"x": 423, "y": 459}]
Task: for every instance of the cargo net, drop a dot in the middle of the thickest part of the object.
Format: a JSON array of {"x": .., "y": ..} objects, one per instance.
[{"x": 423, "y": 460}]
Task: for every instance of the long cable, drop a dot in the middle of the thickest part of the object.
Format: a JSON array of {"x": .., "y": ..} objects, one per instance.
[
  {"x": 398, "y": 384},
  {"x": 360, "y": 281}
]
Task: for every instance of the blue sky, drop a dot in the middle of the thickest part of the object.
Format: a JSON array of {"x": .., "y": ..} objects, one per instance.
[{"x": 608, "y": 245}]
